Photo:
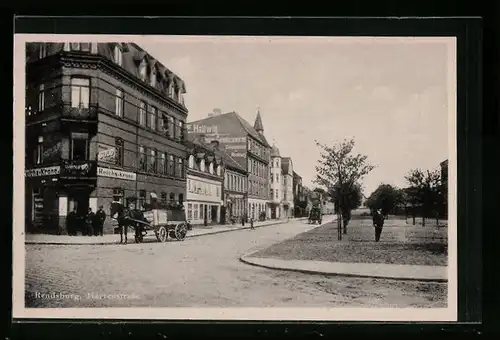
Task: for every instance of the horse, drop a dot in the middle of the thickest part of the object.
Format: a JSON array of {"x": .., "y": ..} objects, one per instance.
[{"x": 124, "y": 218}]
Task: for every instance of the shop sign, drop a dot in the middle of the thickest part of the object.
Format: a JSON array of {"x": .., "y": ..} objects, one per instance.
[
  {"x": 107, "y": 155},
  {"x": 113, "y": 173},
  {"x": 238, "y": 155},
  {"x": 48, "y": 171},
  {"x": 78, "y": 169}
]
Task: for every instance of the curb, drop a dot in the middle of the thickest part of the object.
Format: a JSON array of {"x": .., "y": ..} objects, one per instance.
[
  {"x": 244, "y": 259},
  {"x": 117, "y": 243}
]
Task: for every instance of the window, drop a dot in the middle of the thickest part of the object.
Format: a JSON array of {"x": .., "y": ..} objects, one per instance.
[
  {"x": 39, "y": 151},
  {"x": 141, "y": 200},
  {"x": 119, "y": 151},
  {"x": 77, "y": 46},
  {"x": 118, "y": 55},
  {"x": 277, "y": 194},
  {"x": 195, "y": 211},
  {"x": 181, "y": 199},
  {"x": 171, "y": 165},
  {"x": 218, "y": 170},
  {"x": 161, "y": 125},
  {"x": 161, "y": 165},
  {"x": 80, "y": 94},
  {"x": 272, "y": 192},
  {"x": 152, "y": 118},
  {"x": 190, "y": 211},
  {"x": 142, "y": 70},
  {"x": 163, "y": 197},
  {"x": 171, "y": 89},
  {"x": 93, "y": 48},
  {"x": 118, "y": 195},
  {"x": 211, "y": 168},
  {"x": 142, "y": 158},
  {"x": 79, "y": 146},
  {"x": 171, "y": 127},
  {"x": 191, "y": 161},
  {"x": 180, "y": 167},
  {"x": 152, "y": 161},
  {"x": 142, "y": 113},
  {"x": 277, "y": 178},
  {"x": 202, "y": 165},
  {"x": 152, "y": 80},
  {"x": 41, "y": 98},
  {"x": 178, "y": 130},
  {"x": 43, "y": 51},
  {"x": 119, "y": 102},
  {"x": 181, "y": 98},
  {"x": 172, "y": 197}
]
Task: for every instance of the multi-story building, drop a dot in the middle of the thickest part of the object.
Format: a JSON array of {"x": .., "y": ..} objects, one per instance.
[
  {"x": 235, "y": 188},
  {"x": 300, "y": 199},
  {"x": 205, "y": 175},
  {"x": 104, "y": 122},
  {"x": 247, "y": 146},
  {"x": 281, "y": 183}
]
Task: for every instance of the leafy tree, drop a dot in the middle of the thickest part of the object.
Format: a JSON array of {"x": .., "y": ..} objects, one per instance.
[
  {"x": 425, "y": 190},
  {"x": 339, "y": 170},
  {"x": 386, "y": 198}
]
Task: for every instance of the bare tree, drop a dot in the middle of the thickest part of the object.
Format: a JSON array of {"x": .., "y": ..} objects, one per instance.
[{"x": 339, "y": 170}]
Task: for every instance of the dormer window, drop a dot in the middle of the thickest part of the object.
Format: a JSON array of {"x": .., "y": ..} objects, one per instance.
[
  {"x": 181, "y": 98},
  {"x": 142, "y": 70},
  {"x": 202, "y": 165},
  {"x": 152, "y": 79},
  {"x": 118, "y": 55},
  {"x": 171, "y": 90},
  {"x": 211, "y": 168},
  {"x": 218, "y": 170},
  {"x": 191, "y": 162}
]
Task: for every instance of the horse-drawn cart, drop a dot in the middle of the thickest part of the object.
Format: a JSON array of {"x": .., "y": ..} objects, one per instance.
[{"x": 164, "y": 223}]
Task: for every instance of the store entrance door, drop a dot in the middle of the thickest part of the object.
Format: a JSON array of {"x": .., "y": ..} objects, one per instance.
[{"x": 79, "y": 199}]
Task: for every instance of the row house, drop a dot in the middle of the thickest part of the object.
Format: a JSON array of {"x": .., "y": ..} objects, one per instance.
[
  {"x": 104, "y": 122},
  {"x": 281, "y": 185}
]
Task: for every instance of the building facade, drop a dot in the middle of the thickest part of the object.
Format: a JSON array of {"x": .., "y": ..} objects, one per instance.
[
  {"x": 104, "y": 122},
  {"x": 300, "y": 199},
  {"x": 281, "y": 185},
  {"x": 235, "y": 189},
  {"x": 205, "y": 175},
  {"x": 287, "y": 183},
  {"x": 246, "y": 145}
]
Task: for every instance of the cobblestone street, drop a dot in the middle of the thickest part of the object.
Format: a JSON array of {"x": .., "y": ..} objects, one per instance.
[{"x": 202, "y": 271}]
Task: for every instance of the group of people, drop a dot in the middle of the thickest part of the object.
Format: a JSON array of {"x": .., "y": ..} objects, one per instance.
[{"x": 90, "y": 224}]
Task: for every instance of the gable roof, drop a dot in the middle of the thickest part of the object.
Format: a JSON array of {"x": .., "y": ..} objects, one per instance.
[
  {"x": 285, "y": 164},
  {"x": 249, "y": 129},
  {"x": 230, "y": 162}
]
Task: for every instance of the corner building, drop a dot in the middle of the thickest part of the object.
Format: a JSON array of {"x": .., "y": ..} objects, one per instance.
[{"x": 104, "y": 122}]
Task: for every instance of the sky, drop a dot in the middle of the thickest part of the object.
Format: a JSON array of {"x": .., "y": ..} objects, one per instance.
[{"x": 390, "y": 96}]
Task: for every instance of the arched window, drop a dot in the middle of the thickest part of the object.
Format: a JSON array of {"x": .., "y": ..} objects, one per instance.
[
  {"x": 171, "y": 89},
  {"x": 211, "y": 168},
  {"x": 142, "y": 70},
  {"x": 202, "y": 165},
  {"x": 191, "y": 162},
  {"x": 118, "y": 55}
]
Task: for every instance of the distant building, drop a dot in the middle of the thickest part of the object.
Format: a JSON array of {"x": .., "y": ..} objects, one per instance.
[
  {"x": 300, "y": 199},
  {"x": 247, "y": 145},
  {"x": 281, "y": 181},
  {"x": 104, "y": 122}
]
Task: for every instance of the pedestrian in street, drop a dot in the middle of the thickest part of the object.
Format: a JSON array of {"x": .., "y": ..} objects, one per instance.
[
  {"x": 99, "y": 219},
  {"x": 89, "y": 221},
  {"x": 378, "y": 223},
  {"x": 71, "y": 222},
  {"x": 251, "y": 223}
]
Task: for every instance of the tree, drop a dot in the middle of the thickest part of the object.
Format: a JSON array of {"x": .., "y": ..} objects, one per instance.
[
  {"x": 339, "y": 170},
  {"x": 386, "y": 198},
  {"x": 425, "y": 190}
]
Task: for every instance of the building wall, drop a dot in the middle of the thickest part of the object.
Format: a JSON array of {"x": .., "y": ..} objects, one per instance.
[
  {"x": 235, "y": 187},
  {"x": 200, "y": 192}
]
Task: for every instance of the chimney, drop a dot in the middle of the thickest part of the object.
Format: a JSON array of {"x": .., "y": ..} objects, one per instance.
[{"x": 215, "y": 144}]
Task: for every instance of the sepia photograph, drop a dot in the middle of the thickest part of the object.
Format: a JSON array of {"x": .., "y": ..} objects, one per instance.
[{"x": 235, "y": 177}]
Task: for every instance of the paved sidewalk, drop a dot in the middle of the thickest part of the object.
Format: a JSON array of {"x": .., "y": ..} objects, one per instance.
[
  {"x": 115, "y": 239},
  {"x": 375, "y": 270}
]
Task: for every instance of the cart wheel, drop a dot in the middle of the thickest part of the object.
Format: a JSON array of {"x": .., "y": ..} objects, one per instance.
[
  {"x": 180, "y": 231},
  {"x": 162, "y": 234}
]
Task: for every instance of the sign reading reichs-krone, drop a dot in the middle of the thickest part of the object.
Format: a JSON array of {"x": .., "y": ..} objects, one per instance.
[
  {"x": 113, "y": 173},
  {"x": 48, "y": 171}
]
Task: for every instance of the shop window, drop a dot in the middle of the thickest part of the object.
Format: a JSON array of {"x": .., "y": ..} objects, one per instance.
[
  {"x": 80, "y": 93},
  {"x": 141, "y": 200},
  {"x": 118, "y": 195},
  {"x": 119, "y": 102},
  {"x": 41, "y": 98},
  {"x": 79, "y": 146},
  {"x": 142, "y": 113},
  {"x": 119, "y": 145},
  {"x": 142, "y": 158},
  {"x": 118, "y": 55}
]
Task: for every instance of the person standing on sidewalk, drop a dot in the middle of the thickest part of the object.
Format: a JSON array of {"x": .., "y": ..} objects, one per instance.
[
  {"x": 100, "y": 217},
  {"x": 378, "y": 223},
  {"x": 71, "y": 222},
  {"x": 89, "y": 221}
]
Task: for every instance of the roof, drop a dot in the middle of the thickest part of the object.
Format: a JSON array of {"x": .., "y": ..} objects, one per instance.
[
  {"x": 275, "y": 152},
  {"x": 285, "y": 164},
  {"x": 296, "y": 175},
  {"x": 249, "y": 129},
  {"x": 230, "y": 162},
  {"x": 258, "y": 126}
]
